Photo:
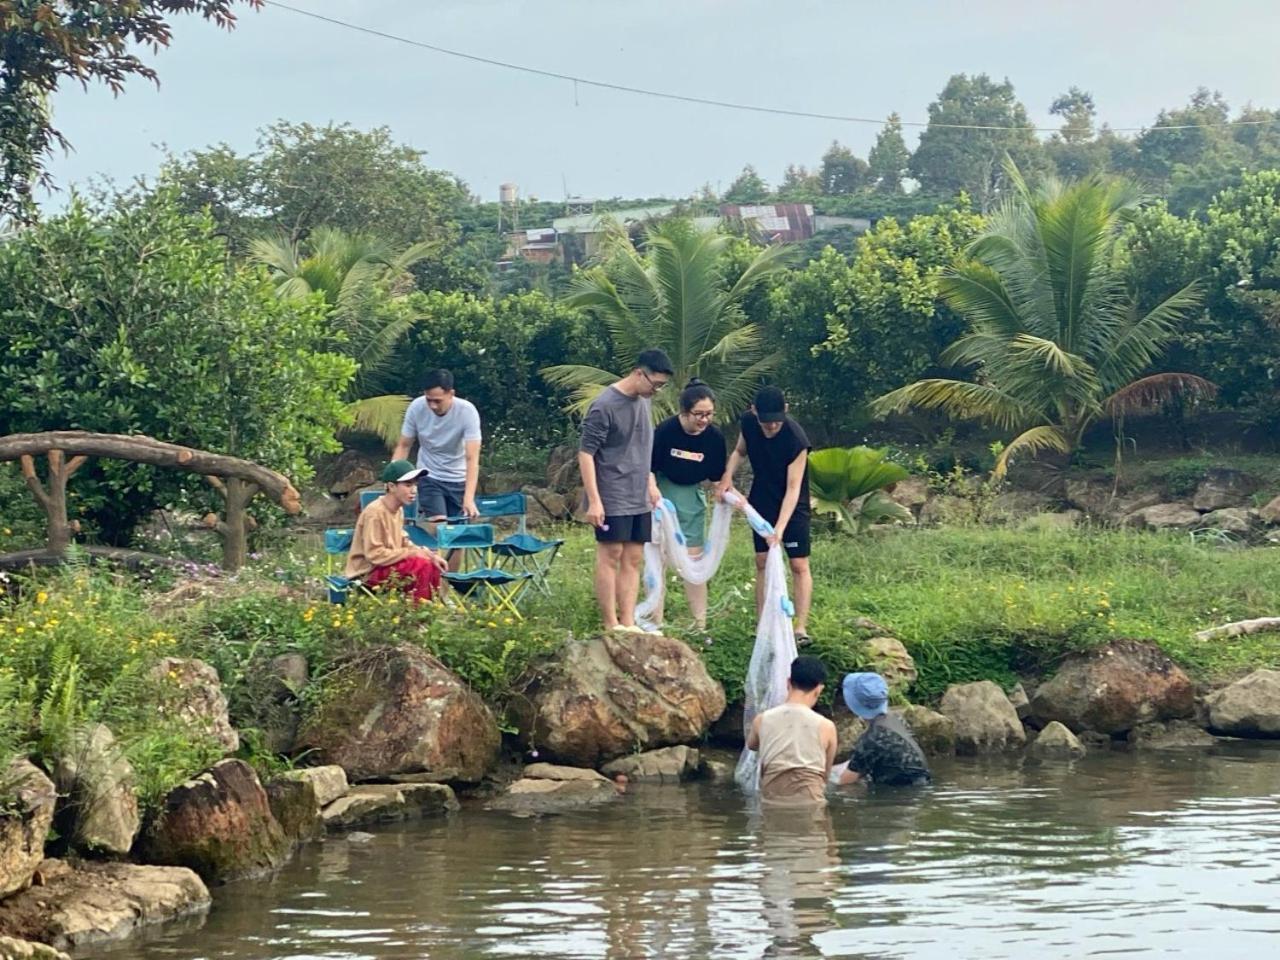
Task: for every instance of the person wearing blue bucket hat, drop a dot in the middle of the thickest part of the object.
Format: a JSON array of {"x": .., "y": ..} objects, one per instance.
[{"x": 886, "y": 753}]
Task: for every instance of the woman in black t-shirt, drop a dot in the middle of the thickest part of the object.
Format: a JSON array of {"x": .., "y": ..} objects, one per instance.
[
  {"x": 779, "y": 453},
  {"x": 688, "y": 452}
]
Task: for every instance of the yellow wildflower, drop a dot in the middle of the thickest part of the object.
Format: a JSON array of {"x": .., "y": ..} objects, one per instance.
[
  {"x": 42, "y": 597},
  {"x": 492, "y": 624}
]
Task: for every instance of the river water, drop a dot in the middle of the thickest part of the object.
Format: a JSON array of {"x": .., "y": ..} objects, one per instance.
[{"x": 1118, "y": 855}]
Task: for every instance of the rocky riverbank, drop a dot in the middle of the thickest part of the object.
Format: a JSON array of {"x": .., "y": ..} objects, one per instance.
[{"x": 398, "y": 733}]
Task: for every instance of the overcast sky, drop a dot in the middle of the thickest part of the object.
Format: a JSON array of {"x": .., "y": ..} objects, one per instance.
[{"x": 490, "y": 125}]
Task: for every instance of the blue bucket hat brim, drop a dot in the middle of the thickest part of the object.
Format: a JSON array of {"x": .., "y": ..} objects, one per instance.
[{"x": 866, "y": 694}]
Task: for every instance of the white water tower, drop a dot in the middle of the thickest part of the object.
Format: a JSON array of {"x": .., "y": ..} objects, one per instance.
[{"x": 508, "y": 206}]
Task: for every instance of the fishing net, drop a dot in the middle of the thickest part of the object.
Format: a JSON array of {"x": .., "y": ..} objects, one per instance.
[{"x": 775, "y": 644}]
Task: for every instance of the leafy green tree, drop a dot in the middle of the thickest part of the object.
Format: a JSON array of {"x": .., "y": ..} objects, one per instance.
[
  {"x": 676, "y": 295},
  {"x": 1077, "y": 109},
  {"x": 1056, "y": 339},
  {"x": 841, "y": 172},
  {"x": 951, "y": 160},
  {"x": 42, "y": 44},
  {"x": 749, "y": 187},
  {"x": 799, "y": 185},
  {"x": 850, "y": 328},
  {"x": 496, "y": 348},
  {"x": 889, "y": 158},
  {"x": 302, "y": 177},
  {"x": 129, "y": 320}
]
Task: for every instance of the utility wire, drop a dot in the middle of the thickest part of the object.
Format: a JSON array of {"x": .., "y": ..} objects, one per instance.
[{"x": 723, "y": 104}]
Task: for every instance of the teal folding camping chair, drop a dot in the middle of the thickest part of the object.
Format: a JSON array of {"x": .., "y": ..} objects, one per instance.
[
  {"x": 337, "y": 543},
  {"x": 480, "y": 585},
  {"x": 521, "y": 550}
]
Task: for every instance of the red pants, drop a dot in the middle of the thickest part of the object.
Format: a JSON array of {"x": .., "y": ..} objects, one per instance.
[{"x": 417, "y": 576}]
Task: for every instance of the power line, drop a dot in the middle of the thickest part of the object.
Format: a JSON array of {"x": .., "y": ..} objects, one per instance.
[{"x": 711, "y": 102}]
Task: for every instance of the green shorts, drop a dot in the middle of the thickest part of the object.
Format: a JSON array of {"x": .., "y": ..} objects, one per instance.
[{"x": 691, "y": 508}]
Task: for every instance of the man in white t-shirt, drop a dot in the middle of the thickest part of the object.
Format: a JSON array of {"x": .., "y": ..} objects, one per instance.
[{"x": 447, "y": 431}]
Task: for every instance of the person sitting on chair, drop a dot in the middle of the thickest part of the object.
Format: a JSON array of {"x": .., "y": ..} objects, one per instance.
[{"x": 381, "y": 550}]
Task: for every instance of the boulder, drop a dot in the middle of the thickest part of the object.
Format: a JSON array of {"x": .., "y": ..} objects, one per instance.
[
  {"x": 562, "y": 468},
  {"x": 1271, "y": 512},
  {"x": 293, "y": 804},
  {"x": 391, "y": 710},
  {"x": 1170, "y": 735},
  {"x": 889, "y": 658},
  {"x": 1223, "y": 487},
  {"x": 24, "y": 824},
  {"x": 985, "y": 720},
  {"x": 1235, "y": 520},
  {"x": 1021, "y": 702},
  {"x": 667, "y": 765},
  {"x": 719, "y": 769},
  {"x": 190, "y": 690},
  {"x": 101, "y": 811},
  {"x": 612, "y": 695},
  {"x": 329, "y": 782},
  {"x": 912, "y": 493},
  {"x": 1163, "y": 516},
  {"x": 1014, "y": 506},
  {"x": 356, "y": 478},
  {"x": 935, "y": 732},
  {"x": 100, "y": 902},
  {"x": 218, "y": 824},
  {"x": 1114, "y": 688},
  {"x": 849, "y": 727},
  {"x": 949, "y": 509},
  {"x": 543, "y": 505},
  {"x": 271, "y": 700},
  {"x": 1250, "y": 707},
  {"x": 547, "y": 788},
  {"x": 11, "y": 949},
  {"x": 387, "y": 802},
  {"x": 1056, "y": 742},
  {"x": 1099, "y": 499}
]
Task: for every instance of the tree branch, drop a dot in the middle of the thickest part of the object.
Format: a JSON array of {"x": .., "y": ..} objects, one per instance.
[{"x": 1240, "y": 628}]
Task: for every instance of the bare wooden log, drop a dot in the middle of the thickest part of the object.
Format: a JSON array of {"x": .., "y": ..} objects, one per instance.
[
  {"x": 1240, "y": 628},
  {"x": 141, "y": 449}
]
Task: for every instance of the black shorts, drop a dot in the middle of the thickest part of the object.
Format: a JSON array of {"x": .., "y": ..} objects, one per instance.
[
  {"x": 795, "y": 539},
  {"x": 439, "y": 500},
  {"x": 627, "y": 528}
]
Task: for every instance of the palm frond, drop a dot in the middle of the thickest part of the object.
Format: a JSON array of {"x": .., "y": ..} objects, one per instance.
[
  {"x": 1031, "y": 441},
  {"x": 381, "y": 416},
  {"x": 959, "y": 399},
  {"x": 584, "y": 383},
  {"x": 1132, "y": 345},
  {"x": 1150, "y": 393}
]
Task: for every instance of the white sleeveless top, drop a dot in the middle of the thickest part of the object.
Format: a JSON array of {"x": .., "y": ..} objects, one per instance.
[{"x": 790, "y": 738}]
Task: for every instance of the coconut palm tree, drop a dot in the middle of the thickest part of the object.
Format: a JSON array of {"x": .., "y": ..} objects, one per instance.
[
  {"x": 364, "y": 283},
  {"x": 675, "y": 294},
  {"x": 1056, "y": 339}
]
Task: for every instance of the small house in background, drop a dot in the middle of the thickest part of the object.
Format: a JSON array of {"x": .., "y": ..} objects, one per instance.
[
  {"x": 773, "y": 222},
  {"x": 537, "y": 245}
]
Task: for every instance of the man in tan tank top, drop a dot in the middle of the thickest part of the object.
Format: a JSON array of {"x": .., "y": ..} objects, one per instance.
[{"x": 796, "y": 745}]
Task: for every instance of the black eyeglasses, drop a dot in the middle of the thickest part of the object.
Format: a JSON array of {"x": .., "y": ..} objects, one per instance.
[{"x": 653, "y": 383}]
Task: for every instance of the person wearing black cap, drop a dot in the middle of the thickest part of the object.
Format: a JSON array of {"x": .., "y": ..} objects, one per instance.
[{"x": 778, "y": 451}]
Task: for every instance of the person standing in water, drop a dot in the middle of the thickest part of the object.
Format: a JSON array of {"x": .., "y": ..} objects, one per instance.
[
  {"x": 886, "y": 753},
  {"x": 688, "y": 454},
  {"x": 797, "y": 745}
]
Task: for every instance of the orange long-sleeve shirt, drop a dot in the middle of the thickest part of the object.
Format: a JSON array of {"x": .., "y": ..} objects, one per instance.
[{"x": 379, "y": 539}]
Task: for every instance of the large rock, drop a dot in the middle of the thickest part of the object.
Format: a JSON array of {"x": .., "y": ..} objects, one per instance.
[
  {"x": 1250, "y": 707},
  {"x": 889, "y": 658},
  {"x": 329, "y": 781},
  {"x": 11, "y": 949},
  {"x": 1235, "y": 520},
  {"x": 1100, "y": 501},
  {"x": 667, "y": 765},
  {"x": 1164, "y": 516},
  {"x": 1223, "y": 487},
  {"x": 24, "y": 824},
  {"x": 912, "y": 493},
  {"x": 1170, "y": 735},
  {"x": 391, "y": 710},
  {"x": 949, "y": 509},
  {"x": 1271, "y": 512},
  {"x": 543, "y": 505},
  {"x": 190, "y": 690},
  {"x": 935, "y": 732},
  {"x": 218, "y": 824},
  {"x": 1014, "y": 506},
  {"x": 615, "y": 694},
  {"x": 1056, "y": 742},
  {"x": 849, "y": 728},
  {"x": 100, "y": 902},
  {"x": 271, "y": 701},
  {"x": 548, "y": 788},
  {"x": 1115, "y": 687},
  {"x": 97, "y": 780},
  {"x": 387, "y": 802},
  {"x": 985, "y": 720},
  {"x": 293, "y": 805}
]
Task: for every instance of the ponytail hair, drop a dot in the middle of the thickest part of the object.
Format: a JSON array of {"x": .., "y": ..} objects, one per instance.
[{"x": 694, "y": 391}]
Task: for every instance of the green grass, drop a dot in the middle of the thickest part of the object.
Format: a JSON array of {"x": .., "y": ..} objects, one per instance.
[{"x": 979, "y": 603}]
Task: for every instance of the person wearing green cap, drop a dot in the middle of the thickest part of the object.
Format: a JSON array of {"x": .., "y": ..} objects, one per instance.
[
  {"x": 886, "y": 753},
  {"x": 381, "y": 550}
]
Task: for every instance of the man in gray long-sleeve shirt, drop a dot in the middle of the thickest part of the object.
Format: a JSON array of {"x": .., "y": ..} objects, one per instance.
[{"x": 614, "y": 457}]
